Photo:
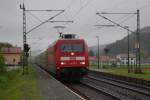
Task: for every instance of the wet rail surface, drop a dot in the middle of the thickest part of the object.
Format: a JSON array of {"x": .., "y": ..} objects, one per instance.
[
  {"x": 124, "y": 79},
  {"x": 90, "y": 92},
  {"x": 100, "y": 87},
  {"x": 122, "y": 89}
]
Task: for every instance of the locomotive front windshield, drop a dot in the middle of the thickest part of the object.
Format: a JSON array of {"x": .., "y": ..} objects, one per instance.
[{"x": 72, "y": 47}]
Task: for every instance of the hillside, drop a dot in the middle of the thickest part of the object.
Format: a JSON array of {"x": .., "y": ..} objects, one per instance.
[
  {"x": 121, "y": 45},
  {"x": 94, "y": 48}
]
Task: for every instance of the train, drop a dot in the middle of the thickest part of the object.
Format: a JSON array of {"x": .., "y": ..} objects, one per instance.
[{"x": 66, "y": 58}]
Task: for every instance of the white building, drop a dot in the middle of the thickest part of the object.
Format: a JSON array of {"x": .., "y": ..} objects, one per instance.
[{"x": 123, "y": 59}]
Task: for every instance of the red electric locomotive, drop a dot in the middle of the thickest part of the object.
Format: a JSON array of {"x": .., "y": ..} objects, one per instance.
[{"x": 68, "y": 57}]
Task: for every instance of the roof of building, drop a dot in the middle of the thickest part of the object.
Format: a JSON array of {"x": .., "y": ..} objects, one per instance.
[
  {"x": 104, "y": 58},
  {"x": 126, "y": 55},
  {"x": 15, "y": 50},
  {"x": 93, "y": 58},
  {"x": 107, "y": 58}
]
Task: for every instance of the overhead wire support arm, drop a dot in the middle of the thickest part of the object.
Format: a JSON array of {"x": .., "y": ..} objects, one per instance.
[
  {"x": 61, "y": 21},
  {"x": 45, "y": 21},
  {"x": 114, "y": 22},
  {"x": 44, "y": 10},
  {"x": 115, "y": 13},
  {"x": 105, "y": 25}
]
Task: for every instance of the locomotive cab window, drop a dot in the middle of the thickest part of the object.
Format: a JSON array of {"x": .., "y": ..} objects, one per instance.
[{"x": 72, "y": 47}]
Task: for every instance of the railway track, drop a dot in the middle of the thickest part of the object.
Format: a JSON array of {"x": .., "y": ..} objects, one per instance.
[
  {"x": 120, "y": 89},
  {"x": 90, "y": 92},
  {"x": 87, "y": 91},
  {"x": 95, "y": 87},
  {"x": 123, "y": 79}
]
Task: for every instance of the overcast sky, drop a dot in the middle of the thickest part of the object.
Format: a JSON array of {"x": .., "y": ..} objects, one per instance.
[{"x": 82, "y": 12}]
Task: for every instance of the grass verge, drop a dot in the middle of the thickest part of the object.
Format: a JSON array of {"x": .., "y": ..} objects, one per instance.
[
  {"x": 124, "y": 72},
  {"x": 15, "y": 86}
]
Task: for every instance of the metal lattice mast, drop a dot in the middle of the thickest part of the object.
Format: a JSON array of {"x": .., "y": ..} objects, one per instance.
[
  {"x": 138, "y": 42},
  {"x": 24, "y": 37}
]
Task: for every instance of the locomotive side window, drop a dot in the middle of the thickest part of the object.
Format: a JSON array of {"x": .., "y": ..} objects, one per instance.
[{"x": 72, "y": 47}]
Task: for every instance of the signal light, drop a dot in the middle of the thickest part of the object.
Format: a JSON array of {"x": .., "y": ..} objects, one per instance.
[
  {"x": 106, "y": 50},
  {"x": 26, "y": 48}
]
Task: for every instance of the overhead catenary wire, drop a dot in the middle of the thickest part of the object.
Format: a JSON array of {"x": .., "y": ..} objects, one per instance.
[
  {"x": 131, "y": 16},
  {"x": 81, "y": 8},
  {"x": 122, "y": 19},
  {"x": 117, "y": 24},
  {"x": 145, "y": 6},
  {"x": 34, "y": 16},
  {"x": 45, "y": 21},
  {"x": 69, "y": 5},
  {"x": 79, "y": 11},
  {"x": 117, "y": 4}
]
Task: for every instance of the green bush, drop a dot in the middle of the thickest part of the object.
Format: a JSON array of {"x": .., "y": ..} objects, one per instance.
[
  {"x": 3, "y": 82},
  {"x": 2, "y": 64}
]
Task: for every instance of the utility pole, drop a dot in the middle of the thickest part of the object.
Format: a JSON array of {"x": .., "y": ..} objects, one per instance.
[
  {"x": 98, "y": 51},
  {"x": 107, "y": 50},
  {"x": 30, "y": 57},
  {"x": 26, "y": 48},
  {"x": 128, "y": 52},
  {"x": 24, "y": 37},
  {"x": 138, "y": 57},
  {"x": 138, "y": 54},
  {"x": 128, "y": 45}
]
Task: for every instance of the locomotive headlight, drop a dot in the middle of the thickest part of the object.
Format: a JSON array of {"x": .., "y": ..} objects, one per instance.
[
  {"x": 62, "y": 63},
  {"x": 82, "y": 63},
  {"x": 72, "y": 53}
]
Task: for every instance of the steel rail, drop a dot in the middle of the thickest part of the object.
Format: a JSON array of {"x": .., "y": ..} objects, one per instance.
[{"x": 146, "y": 94}]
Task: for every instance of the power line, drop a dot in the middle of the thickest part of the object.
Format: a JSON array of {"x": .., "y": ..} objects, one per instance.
[
  {"x": 45, "y": 21},
  {"x": 65, "y": 14},
  {"x": 131, "y": 16},
  {"x": 81, "y": 8},
  {"x": 122, "y": 17},
  {"x": 144, "y": 7},
  {"x": 117, "y": 4},
  {"x": 113, "y": 22},
  {"x": 69, "y": 5},
  {"x": 34, "y": 16}
]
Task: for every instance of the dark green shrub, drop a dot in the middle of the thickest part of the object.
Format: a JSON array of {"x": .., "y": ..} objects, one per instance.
[
  {"x": 2, "y": 64},
  {"x": 3, "y": 82}
]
